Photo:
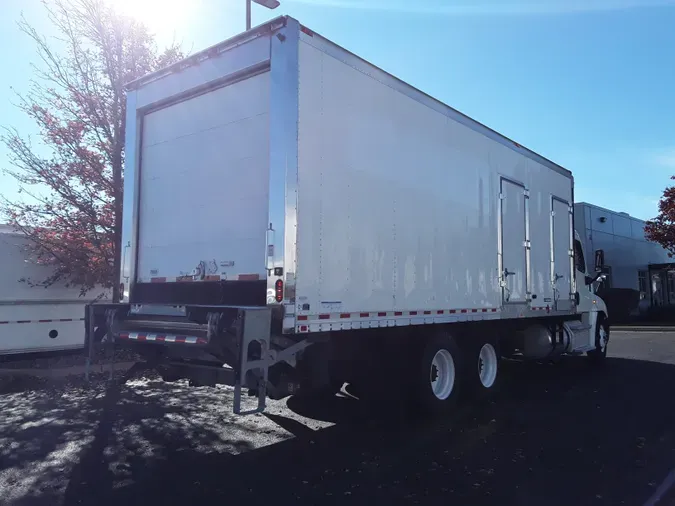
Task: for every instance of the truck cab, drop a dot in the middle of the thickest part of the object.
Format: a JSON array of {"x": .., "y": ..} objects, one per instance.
[{"x": 592, "y": 308}]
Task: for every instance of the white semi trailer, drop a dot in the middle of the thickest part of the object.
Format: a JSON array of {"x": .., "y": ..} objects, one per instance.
[
  {"x": 296, "y": 218},
  {"x": 35, "y": 319}
]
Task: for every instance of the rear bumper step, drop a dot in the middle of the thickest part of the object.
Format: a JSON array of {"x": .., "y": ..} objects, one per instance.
[
  {"x": 162, "y": 338},
  {"x": 238, "y": 336}
]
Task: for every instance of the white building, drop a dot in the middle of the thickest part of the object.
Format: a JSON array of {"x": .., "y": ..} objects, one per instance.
[{"x": 630, "y": 259}]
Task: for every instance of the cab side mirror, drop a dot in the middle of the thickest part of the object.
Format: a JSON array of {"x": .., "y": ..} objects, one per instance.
[{"x": 599, "y": 260}]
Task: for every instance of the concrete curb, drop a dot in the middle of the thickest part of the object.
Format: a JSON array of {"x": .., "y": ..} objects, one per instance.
[{"x": 63, "y": 372}]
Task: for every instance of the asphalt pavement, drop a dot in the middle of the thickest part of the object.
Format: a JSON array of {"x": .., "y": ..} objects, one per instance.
[{"x": 557, "y": 434}]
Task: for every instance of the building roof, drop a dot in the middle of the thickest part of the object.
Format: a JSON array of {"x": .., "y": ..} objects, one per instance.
[{"x": 605, "y": 210}]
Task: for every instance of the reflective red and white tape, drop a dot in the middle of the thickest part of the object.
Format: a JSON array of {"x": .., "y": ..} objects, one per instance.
[
  {"x": 385, "y": 314},
  {"x": 363, "y": 320},
  {"x": 162, "y": 338},
  {"x": 43, "y": 321}
]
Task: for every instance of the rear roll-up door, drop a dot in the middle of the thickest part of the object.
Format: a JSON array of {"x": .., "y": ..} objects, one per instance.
[{"x": 204, "y": 180}]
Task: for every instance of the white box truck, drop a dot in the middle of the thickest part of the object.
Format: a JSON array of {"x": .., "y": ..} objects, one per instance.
[{"x": 296, "y": 218}]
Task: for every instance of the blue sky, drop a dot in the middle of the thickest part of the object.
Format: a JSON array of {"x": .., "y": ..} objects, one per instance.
[{"x": 589, "y": 84}]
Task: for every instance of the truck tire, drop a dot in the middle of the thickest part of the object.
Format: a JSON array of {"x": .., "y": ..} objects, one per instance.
[
  {"x": 438, "y": 375},
  {"x": 483, "y": 361},
  {"x": 599, "y": 354}
]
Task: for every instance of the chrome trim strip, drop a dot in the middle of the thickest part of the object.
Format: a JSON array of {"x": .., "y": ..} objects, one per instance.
[
  {"x": 283, "y": 189},
  {"x": 132, "y": 152}
]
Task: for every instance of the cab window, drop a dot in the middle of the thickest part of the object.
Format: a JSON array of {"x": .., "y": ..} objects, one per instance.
[{"x": 579, "y": 259}]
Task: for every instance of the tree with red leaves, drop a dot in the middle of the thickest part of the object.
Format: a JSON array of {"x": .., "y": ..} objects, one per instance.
[
  {"x": 71, "y": 182},
  {"x": 662, "y": 228}
]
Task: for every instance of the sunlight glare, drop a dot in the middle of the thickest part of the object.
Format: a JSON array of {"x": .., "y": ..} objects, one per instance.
[{"x": 160, "y": 16}]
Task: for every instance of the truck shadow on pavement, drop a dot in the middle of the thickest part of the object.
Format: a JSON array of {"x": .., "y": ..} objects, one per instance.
[{"x": 557, "y": 434}]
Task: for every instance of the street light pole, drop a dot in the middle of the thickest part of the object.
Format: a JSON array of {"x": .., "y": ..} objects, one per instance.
[{"x": 270, "y": 4}]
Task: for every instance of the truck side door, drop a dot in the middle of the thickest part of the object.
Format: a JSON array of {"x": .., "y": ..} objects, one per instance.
[
  {"x": 561, "y": 253},
  {"x": 513, "y": 242}
]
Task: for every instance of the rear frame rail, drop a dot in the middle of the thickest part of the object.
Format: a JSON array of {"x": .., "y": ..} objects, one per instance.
[{"x": 241, "y": 333}]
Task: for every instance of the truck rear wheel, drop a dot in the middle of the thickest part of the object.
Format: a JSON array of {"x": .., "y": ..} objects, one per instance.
[
  {"x": 438, "y": 375},
  {"x": 483, "y": 360}
]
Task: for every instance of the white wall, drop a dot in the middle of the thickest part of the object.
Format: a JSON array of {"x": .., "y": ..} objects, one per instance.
[{"x": 622, "y": 238}]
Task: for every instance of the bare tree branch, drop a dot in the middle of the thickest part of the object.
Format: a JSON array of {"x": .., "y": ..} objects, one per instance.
[{"x": 73, "y": 188}]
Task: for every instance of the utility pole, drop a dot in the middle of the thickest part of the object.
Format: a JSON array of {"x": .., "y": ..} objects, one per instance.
[{"x": 270, "y": 4}]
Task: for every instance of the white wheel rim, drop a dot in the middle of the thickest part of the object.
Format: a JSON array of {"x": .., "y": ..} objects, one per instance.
[
  {"x": 442, "y": 374},
  {"x": 487, "y": 365}
]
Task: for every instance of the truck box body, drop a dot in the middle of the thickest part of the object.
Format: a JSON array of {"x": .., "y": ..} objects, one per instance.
[{"x": 278, "y": 168}]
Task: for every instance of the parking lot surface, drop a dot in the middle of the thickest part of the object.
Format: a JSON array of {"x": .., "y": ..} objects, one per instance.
[{"x": 557, "y": 434}]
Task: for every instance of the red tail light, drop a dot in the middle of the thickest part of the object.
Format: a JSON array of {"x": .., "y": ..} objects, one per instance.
[{"x": 279, "y": 290}]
